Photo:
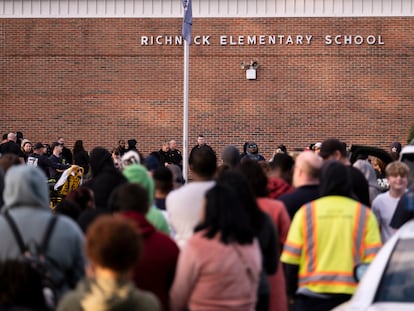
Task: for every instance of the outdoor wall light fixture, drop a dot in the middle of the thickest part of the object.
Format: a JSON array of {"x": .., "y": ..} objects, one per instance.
[{"x": 250, "y": 69}]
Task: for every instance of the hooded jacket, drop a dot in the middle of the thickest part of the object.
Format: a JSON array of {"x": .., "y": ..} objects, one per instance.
[
  {"x": 138, "y": 174},
  {"x": 252, "y": 152},
  {"x": 26, "y": 198},
  {"x": 277, "y": 187},
  {"x": 369, "y": 173},
  {"x": 105, "y": 177},
  {"x": 100, "y": 294},
  {"x": 156, "y": 268}
]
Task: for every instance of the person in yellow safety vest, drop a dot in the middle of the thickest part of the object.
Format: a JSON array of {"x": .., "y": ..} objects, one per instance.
[{"x": 326, "y": 239}]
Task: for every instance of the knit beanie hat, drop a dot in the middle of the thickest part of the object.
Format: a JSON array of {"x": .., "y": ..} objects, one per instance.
[
  {"x": 138, "y": 174},
  {"x": 132, "y": 143},
  {"x": 396, "y": 147},
  {"x": 152, "y": 163}
]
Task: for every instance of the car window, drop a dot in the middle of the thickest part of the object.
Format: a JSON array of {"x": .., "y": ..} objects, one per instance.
[
  {"x": 397, "y": 284},
  {"x": 409, "y": 160}
]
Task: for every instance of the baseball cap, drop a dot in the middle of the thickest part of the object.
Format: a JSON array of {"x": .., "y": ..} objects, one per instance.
[
  {"x": 317, "y": 146},
  {"x": 38, "y": 145}
]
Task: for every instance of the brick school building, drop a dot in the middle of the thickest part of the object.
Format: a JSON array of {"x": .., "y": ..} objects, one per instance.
[{"x": 108, "y": 70}]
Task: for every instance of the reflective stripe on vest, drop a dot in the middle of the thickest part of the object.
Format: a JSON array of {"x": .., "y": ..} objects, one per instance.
[
  {"x": 372, "y": 251},
  {"x": 294, "y": 251},
  {"x": 310, "y": 246},
  {"x": 310, "y": 251},
  {"x": 328, "y": 278},
  {"x": 359, "y": 230}
]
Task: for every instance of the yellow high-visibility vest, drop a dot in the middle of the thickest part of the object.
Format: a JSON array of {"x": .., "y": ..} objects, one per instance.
[{"x": 327, "y": 238}]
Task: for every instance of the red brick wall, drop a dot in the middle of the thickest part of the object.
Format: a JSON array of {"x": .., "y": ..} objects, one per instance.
[{"x": 91, "y": 79}]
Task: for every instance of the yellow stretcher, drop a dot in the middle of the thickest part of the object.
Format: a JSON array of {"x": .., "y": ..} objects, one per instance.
[{"x": 70, "y": 180}]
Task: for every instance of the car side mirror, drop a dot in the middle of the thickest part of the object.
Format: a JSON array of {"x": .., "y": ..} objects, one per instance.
[{"x": 359, "y": 271}]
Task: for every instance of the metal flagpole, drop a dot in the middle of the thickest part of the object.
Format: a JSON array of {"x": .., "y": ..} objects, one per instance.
[
  {"x": 185, "y": 112},
  {"x": 187, "y": 24}
]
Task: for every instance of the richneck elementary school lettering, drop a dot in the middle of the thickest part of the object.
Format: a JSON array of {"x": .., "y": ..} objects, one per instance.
[{"x": 249, "y": 40}]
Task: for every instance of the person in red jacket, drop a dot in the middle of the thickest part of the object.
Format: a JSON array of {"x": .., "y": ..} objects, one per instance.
[{"x": 155, "y": 269}]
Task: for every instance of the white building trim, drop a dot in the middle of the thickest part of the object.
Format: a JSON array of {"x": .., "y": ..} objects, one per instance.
[{"x": 203, "y": 8}]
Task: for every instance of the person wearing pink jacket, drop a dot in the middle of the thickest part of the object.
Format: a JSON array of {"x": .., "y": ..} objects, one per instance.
[{"x": 219, "y": 267}]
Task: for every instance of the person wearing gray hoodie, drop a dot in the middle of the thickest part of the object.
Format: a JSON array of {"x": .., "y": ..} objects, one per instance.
[{"x": 26, "y": 200}]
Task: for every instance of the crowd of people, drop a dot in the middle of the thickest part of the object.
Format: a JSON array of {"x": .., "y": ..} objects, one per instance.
[{"x": 245, "y": 233}]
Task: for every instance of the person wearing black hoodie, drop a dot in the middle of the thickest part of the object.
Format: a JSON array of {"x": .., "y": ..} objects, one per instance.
[
  {"x": 104, "y": 179},
  {"x": 132, "y": 145}
]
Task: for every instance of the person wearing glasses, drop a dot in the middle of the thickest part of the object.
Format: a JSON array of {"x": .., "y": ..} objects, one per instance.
[{"x": 252, "y": 152}]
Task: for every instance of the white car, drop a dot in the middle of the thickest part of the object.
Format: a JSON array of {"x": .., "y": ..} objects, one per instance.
[
  {"x": 388, "y": 282},
  {"x": 407, "y": 156}
]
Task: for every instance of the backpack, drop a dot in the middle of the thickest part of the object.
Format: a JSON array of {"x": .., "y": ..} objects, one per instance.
[{"x": 35, "y": 256}]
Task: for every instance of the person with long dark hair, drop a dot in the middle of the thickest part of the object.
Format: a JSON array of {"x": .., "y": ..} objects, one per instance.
[
  {"x": 258, "y": 181},
  {"x": 265, "y": 231},
  {"x": 81, "y": 156},
  {"x": 219, "y": 268}
]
